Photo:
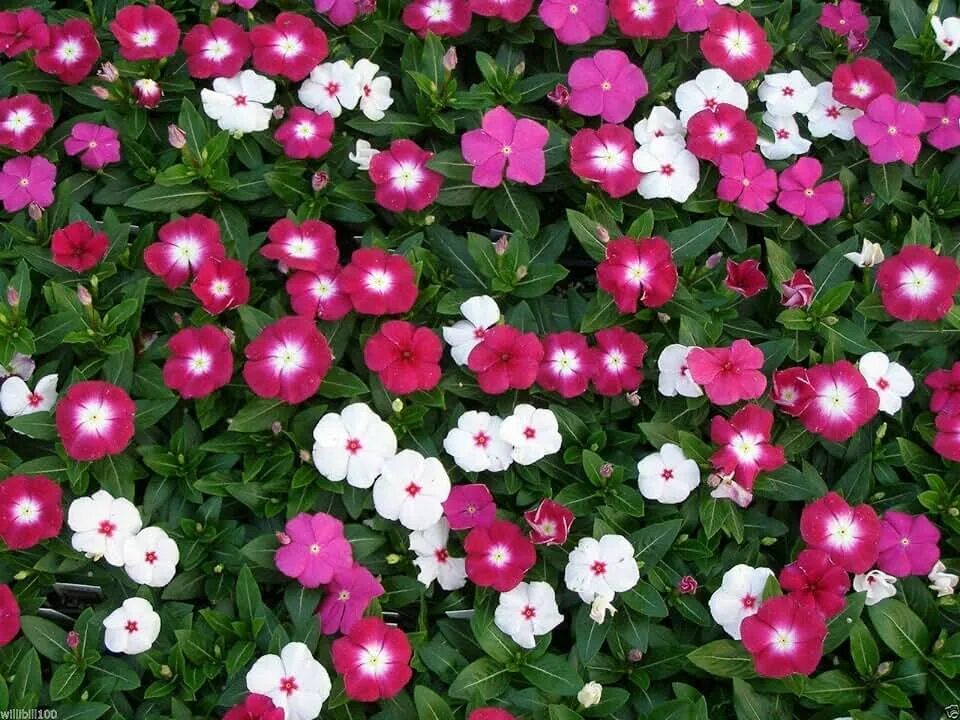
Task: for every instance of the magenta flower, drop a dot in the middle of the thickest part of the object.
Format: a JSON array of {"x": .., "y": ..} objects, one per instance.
[
  {"x": 26, "y": 180},
  {"x": 317, "y": 549},
  {"x": 942, "y": 123},
  {"x": 97, "y": 145},
  {"x": 574, "y": 22},
  {"x": 890, "y": 129},
  {"x": 802, "y": 197},
  {"x": 504, "y": 143},
  {"x": 338, "y": 12},
  {"x": 747, "y": 181},
  {"x": 908, "y": 544},
  {"x": 844, "y": 18},
  {"x": 348, "y": 596},
  {"x": 607, "y": 84},
  {"x": 695, "y": 15},
  {"x": 469, "y": 506}
]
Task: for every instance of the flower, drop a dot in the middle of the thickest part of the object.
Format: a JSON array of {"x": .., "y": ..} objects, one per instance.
[
  {"x": 607, "y": 84},
  {"x": 870, "y": 254},
  {"x": 21, "y": 366},
  {"x": 945, "y": 385},
  {"x": 338, "y": 12},
  {"x": 97, "y": 145},
  {"x": 78, "y": 246},
  {"x": 745, "y": 450},
  {"x": 849, "y": 535},
  {"x": 652, "y": 19},
  {"x": 784, "y": 637},
  {"x": 942, "y": 582},
  {"x": 102, "y": 525},
  {"x": 293, "y": 680},
  {"x": 469, "y": 506},
  {"x": 504, "y": 145},
  {"x": 182, "y": 246},
  {"x": 605, "y": 156},
  {"x": 745, "y": 278},
  {"x": 667, "y": 476},
  {"x": 877, "y": 584},
  {"x": 444, "y": 18},
  {"x": 527, "y": 611},
  {"x": 362, "y": 155},
  {"x": 798, "y": 291},
  {"x": 659, "y": 123},
  {"x": 24, "y": 120},
  {"x": 725, "y": 130},
  {"x": 219, "y": 49},
  {"x": 22, "y": 30},
  {"x": 150, "y": 557},
  {"x": 411, "y": 489},
  {"x": 946, "y": 441},
  {"x": 890, "y": 129},
  {"x": 786, "y": 141},
  {"x": 695, "y": 15},
  {"x": 331, "y": 88},
  {"x": 490, "y": 713},
  {"x": 317, "y": 550},
  {"x": 132, "y": 628},
  {"x": 638, "y": 270},
  {"x": 498, "y": 555},
  {"x": 730, "y": 374},
  {"x": 815, "y": 582},
  {"x": 374, "y": 91},
  {"x": 25, "y": 180},
  {"x": 828, "y": 117},
  {"x": 70, "y": 52},
  {"x": 942, "y": 123},
  {"x": 405, "y": 357},
  {"x": 145, "y": 32},
  {"x": 735, "y": 42},
  {"x": 669, "y": 170},
  {"x": 787, "y": 93},
  {"x": 687, "y": 585},
  {"x": 513, "y": 11},
  {"x": 237, "y": 102},
  {"x": 200, "y": 361},
  {"x": 221, "y": 284},
  {"x": 590, "y": 694},
  {"x": 533, "y": 433},
  {"x": 856, "y": 84},
  {"x": 318, "y": 294},
  {"x": 9, "y": 615},
  {"x": 16, "y": 398},
  {"x": 918, "y": 284},
  {"x": 908, "y": 544},
  {"x": 254, "y": 707},
  {"x": 347, "y": 598},
  {"x": 305, "y": 134},
  {"x": 840, "y": 402},
  {"x": 738, "y": 597},
  {"x": 574, "y": 24},
  {"x": 802, "y": 197},
  {"x": 549, "y": 522},
  {"x": 311, "y": 245},
  {"x": 618, "y": 359},
  {"x": 475, "y": 445},
  {"x": 433, "y": 558},
  {"x": 374, "y": 660},
  {"x": 891, "y": 381},
  {"x": 843, "y": 18},
  {"x": 379, "y": 283},
  {"x": 30, "y": 510},
  {"x": 946, "y": 34},
  {"x": 480, "y": 314},
  {"x": 601, "y": 568},
  {"x": 568, "y": 364},
  {"x": 353, "y": 445},
  {"x": 506, "y": 359},
  {"x": 675, "y": 378},
  {"x": 707, "y": 91},
  {"x": 147, "y": 93},
  {"x": 95, "y": 419},
  {"x": 291, "y": 46},
  {"x": 402, "y": 179},
  {"x": 287, "y": 360}
]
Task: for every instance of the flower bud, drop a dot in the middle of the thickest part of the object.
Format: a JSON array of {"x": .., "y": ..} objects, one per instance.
[
  {"x": 635, "y": 655},
  {"x": 319, "y": 180},
  {"x": 688, "y": 585},
  {"x": 305, "y": 456},
  {"x": 606, "y": 470},
  {"x": 393, "y": 559},
  {"x": 365, "y": 7},
  {"x": 177, "y": 319},
  {"x": 560, "y": 95},
  {"x": 450, "y": 59},
  {"x": 73, "y": 639},
  {"x": 101, "y": 93},
  {"x": 276, "y": 427},
  {"x": 278, "y": 112},
  {"x": 35, "y": 212},
  {"x": 397, "y": 405},
  {"x": 884, "y": 668},
  {"x": 714, "y": 260},
  {"x": 165, "y": 671},
  {"x": 521, "y": 67},
  {"x": 521, "y": 272},
  {"x": 218, "y": 569},
  {"x": 13, "y": 297},
  {"x": 502, "y": 244},
  {"x": 147, "y": 93},
  {"x": 283, "y": 538},
  {"x": 599, "y": 609},
  {"x": 603, "y": 235},
  {"x": 633, "y": 398},
  {"x": 176, "y": 136},
  {"x": 108, "y": 72},
  {"x": 589, "y": 694},
  {"x": 84, "y": 296}
]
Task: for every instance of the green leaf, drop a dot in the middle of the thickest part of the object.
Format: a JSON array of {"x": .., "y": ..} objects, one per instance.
[
  {"x": 66, "y": 679},
  {"x": 689, "y": 242},
  {"x": 431, "y": 706},
  {"x": 39, "y": 426},
  {"x": 259, "y": 414},
  {"x": 836, "y": 689},
  {"x": 585, "y": 230},
  {"x": 748, "y": 703},
  {"x": 159, "y": 199},
  {"x": 907, "y": 19},
  {"x": 589, "y": 635},
  {"x": 553, "y": 675},
  {"x": 49, "y": 639},
  {"x": 886, "y": 179},
  {"x": 645, "y": 599},
  {"x": 518, "y": 210},
  {"x": 340, "y": 383},
  {"x": 194, "y": 126},
  {"x": 863, "y": 650},
  {"x": 480, "y": 680},
  {"x": 652, "y": 542},
  {"x": 248, "y": 594},
  {"x": 899, "y": 628},
  {"x": 723, "y": 658}
]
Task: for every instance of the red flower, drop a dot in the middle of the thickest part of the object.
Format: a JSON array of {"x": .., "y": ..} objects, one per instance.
[
  {"x": 95, "y": 419},
  {"x": 513, "y": 11},
  {"x": 784, "y": 638},
  {"x": 145, "y": 32},
  {"x": 305, "y": 134},
  {"x": 652, "y": 19},
  {"x": 856, "y": 84},
  {"x": 814, "y": 581},
  {"x": 797, "y": 292},
  {"x": 746, "y": 449},
  {"x": 9, "y": 616},
  {"x": 605, "y": 156},
  {"x": 22, "y": 30},
  {"x": 70, "y": 53},
  {"x": 725, "y": 130},
  {"x": 729, "y": 374},
  {"x": 567, "y": 365},
  {"x": 24, "y": 120},
  {"x": 946, "y": 442},
  {"x": 791, "y": 390},
  {"x": 311, "y": 245},
  {"x": 849, "y": 535},
  {"x": 183, "y": 246},
  {"x": 550, "y": 523},
  {"x": 735, "y": 42},
  {"x": 490, "y": 713},
  {"x": 78, "y": 247},
  {"x": 444, "y": 18},
  {"x": 498, "y": 555},
  {"x": 219, "y": 49},
  {"x": 30, "y": 510},
  {"x": 288, "y": 360},
  {"x": 200, "y": 361},
  {"x": 290, "y": 46},
  {"x": 406, "y": 357},
  {"x": 374, "y": 660},
  {"x": 402, "y": 179},
  {"x": 379, "y": 283},
  {"x": 841, "y": 401},
  {"x": 318, "y": 294},
  {"x": 745, "y": 278},
  {"x": 638, "y": 271},
  {"x": 945, "y": 385},
  {"x": 506, "y": 359},
  {"x": 918, "y": 284},
  {"x": 618, "y": 359},
  {"x": 254, "y": 707},
  {"x": 221, "y": 284}
]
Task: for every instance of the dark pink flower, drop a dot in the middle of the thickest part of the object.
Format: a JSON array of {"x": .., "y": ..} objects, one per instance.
[
  {"x": 638, "y": 271},
  {"x": 95, "y": 419},
  {"x": 200, "y": 361},
  {"x": 490, "y": 713},
  {"x": 25, "y": 180},
  {"x": 735, "y": 42},
  {"x": 802, "y": 197},
  {"x": 317, "y": 550},
  {"x": 402, "y": 179},
  {"x": 797, "y": 292},
  {"x": 379, "y": 283},
  {"x": 22, "y": 30},
  {"x": 498, "y": 555},
  {"x": 513, "y": 11},
  {"x": 147, "y": 93},
  {"x": 849, "y": 535},
  {"x": 945, "y": 385},
  {"x": 221, "y": 284},
  {"x": 652, "y": 19},
  {"x": 688, "y": 585},
  {"x": 844, "y": 18},
  {"x": 145, "y": 32},
  {"x": 549, "y": 522},
  {"x": 908, "y": 545},
  {"x": 745, "y": 448},
  {"x": 618, "y": 359},
  {"x": 560, "y": 95},
  {"x": 574, "y": 23},
  {"x": 567, "y": 365},
  {"x": 695, "y": 15},
  {"x": 338, "y": 12},
  {"x": 71, "y": 51},
  {"x": 310, "y": 245},
  {"x": 182, "y": 246},
  {"x": 841, "y": 402},
  {"x": 97, "y": 145},
  {"x": 814, "y": 581},
  {"x": 444, "y": 18},
  {"x": 288, "y": 360},
  {"x": 791, "y": 390},
  {"x": 305, "y": 134},
  {"x": 30, "y": 510},
  {"x": 728, "y": 374},
  {"x": 78, "y": 246},
  {"x": 219, "y": 49},
  {"x": 946, "y": 441},
  {"x": 291, "y": 46},
  {"x": 506, "y": 359},
  {"x": 605, "y": 156},
  {"x": 746, "y": 180},
  {"x": 373, "y": 659},
  {"x": 856, "y": 84},
  {"x": 784, "y": 637},
  {"x": 318, "y": 294},
  {"x": 725, "y": 130},
  {"x": 890, "y": 129},
  {"x": 918, "y": 284},
  {"x": 504, "y": 145},
  {"x": 607, "y": 84},
  {"x": 745, "y": 278},
  {"x": 9, "y": 615},
  {"x": 254, "y": 707},
  {"x": 942, "y": 123},
  {"x": 347, "y": 598},
  {"x": 469, "y": 506},
  {"x": 24, "y": 120},
  {"x": 406, "y": 357}
]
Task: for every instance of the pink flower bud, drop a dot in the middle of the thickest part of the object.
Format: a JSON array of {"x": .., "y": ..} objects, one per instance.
[
  {"x": 633, "y": 398},
  {"x": 635, "y": 655},
  {"x": 177, "y": 319},
  {"x": 13, "y": 297},
  {"x": 276, "y": 427},
  {"x": 108, "y": 72},
  {"x": 606, "y": 470},
  {"x": 603, "y": 235},
  {"x": 100, "y": 92},
  {"x": 319, "y": 180},
  {"x": 560, "y": 95},
  {"x": 305, "y": 455},
  {"x": 797, "y": 292},
  {"x": 868, "y": 199},
  {"x": 147, "y": 93},
  {"x": 502, "y": 244},
  {"x": 176, "y": 136},
  {"x": 688, "y": 585},
  {"x": 857, "y": 42},
  {"x": 84, "y": 296},
  {"x": 73, "y": 639},
  {"x": 231, "y": 336},
  {"x": 278, "y": 112},
  {"x": 450, "y": 59},
  {"x": 35, "y": 212},
  {"x": 714, "y": 260},
  {"x": 283, "y": 538}
]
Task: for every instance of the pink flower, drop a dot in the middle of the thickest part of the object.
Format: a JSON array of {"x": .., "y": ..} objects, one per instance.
[
  {"x": 288, "y": 360},
  {"x": 605, "y": 156},
  {"x": 695, "y": 15},
  {"x": 24, "y": 120},
  {"x": 95, "y": 419},
  {"x": 784, "y": 638},
  {"x": 245, "y": 4},
  {"x": 338, "y": 12},
  {"x": 652, "y": 19},
  {"x": 469, "y": 506},
  {"x": 200, "y": 361},
  {"x": 638, "y": 271},
  {"x": 379, "y": 283},
  {"x": 71, "y": 52},
  {"x": 78, "y": 247},
  {"x": 560, "y": 95},
  {"x": 792, "y": 391},
  {"x": 729, "y": 374},
  {"x": 444, "y": 18},
  {"x": 291, "y": 46},
  {"x": 803, "y": 198},
  {"x": 219, "y": 49},
  {"x": 305, "y": 134},
  {"x": 504, "y": 145},
  {"x": 30, "y": 510},
  {"x": 402, "y": 179},
  {"x": 844, "y": 18},
  {"x": 9, "y": 615},
  {"x": 797, "y": 292},
  {"x": 849, "y": 535},
  {"x": 406, "y": 357},
  {"x": 147, "y": 93},
  {"x": 687, "y": 585},
  {"x": 942, "y": 123},
  {"x": 918, "y": 284},
  {"x": 747, "y": 181},
  {"x": 221, "y": 284},
  {"x": 815, "y": 582},
  {"x": 513, "y": 11},
  {"x": 374, "y": 660},
  {"x": 311, "y": 245},
  {"x": 254, "y": 707},
  {"x": 490, "y": 713},
  {"x": 890, "y": 130},
  {"x": 841, "y": 402},
  {"x": 22, "y": 30},
  {"x": 498, "y": 555},
  {"x": 909, "y": 544},
  {"x": 618, "y": 361},
  {"x": 745, "y": 449},
  {"x": 506, "y": 359},
  {"x": 745, "y": 278},
  {"x": 145, "y": 32},
  {"x": 607, "y": 84},
  {"x": 946, "y": 441},
  {"x": 856, "y": 84},
  {"x": 317, "y": 550},
  {"x": 549, "y": 522},
  {"x": 182, "y": 246},
  {"x": 25, "y": 180},
  {"x": 97, "y": 145},
  {"x": 735, "y": 42},
  {"x": 945, "y": 385},
  {"x": 567, "y": 365},
  {"x": 318, "y": 294},
  {"x": 347, "y": 598},
  {"x": 714, "y": 133},
  {"x": 574, "y": 22}
]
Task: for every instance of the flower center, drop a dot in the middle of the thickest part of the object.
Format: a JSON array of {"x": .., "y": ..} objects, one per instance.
[
  {"x": 106, "y": 528},
  {"x": 529, "y": 612},
  {"x": 150, "y": 557},
  {"x": 598, "y": 568},
  {"x": 667, "y": 474},
  {"x": 315, "y": 549},
  {"x": 353, "y": 446},
  {"x": 605, "y": 85},
  {"x": 748, "y": 601},
  {"x": 499, "y": 555},
  {"x": 288, "y": 685},
  {"x": 481, "y": 439},
  {"x": 832, "y": 112},
  {"x": 289, "y": 46},
  {"x": 412, "y": 489},
  {"x": 882, "y": 383},
  {"x": 240, "y": 100},
  {"x": 787, "y": 91},
  {"x": 441, "y": 555},
  {"x": 132, "y": 626},
  {"x": 379, "y": 281},
  {"x": 529, "y": 433},
  {"x": 667, "y": 169},
  {"x": 26, "y": 511},
  {"x": 145, "y": 38}
]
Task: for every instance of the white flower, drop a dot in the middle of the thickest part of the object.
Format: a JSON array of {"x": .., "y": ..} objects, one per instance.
[
  {"x": 434, "y": 559},
  {"x": 294, "y": 680},
  {"x": 22, "y": 365},
  {"x": 599, "y": 609},
  {"x": 525, "y": 612},
  {"x": 17, "y": 399},
  {"x": 668, "y": 476},
  {"x": 660, "y": 123},
  {"x": 150, "y": 557},
  {"x": 481, "y": 313},
  {"x": 532, "y": 433},
  {"x": 411, "y": 489},
  {"x": 601, "y": 568},
  {"x": 891, "y": 380},
  {"x": 237, "y": 103},
  {"x": 475, "y": 443},
  {"x": 738, "y": 597},
  {"x": 731, "y": 3},
  {"x": 942, "y": 582},
  {"x": 786, "y": 141},
  {"x": 331, "y": 87},
  {"x": 870, "y": 254},
  {"x": 786, "y": 93},
  {"x": 709, "y": 89},
  {"x": 669, "y": 169},
  {"x": 102, "y": 525},
  {"x": 829, "y": 117},
  {"x": 675, "y": 378},
  {"x": 589, "y": 694},
  {"x": 947, "y": 34},
  {"x": 877, "y": 584},
  {"x": 374, "y": 91},
  {"x": 132, "y": 628},
  {"x": 363, "y": 154},
  {"x": 353, "y": 445}
]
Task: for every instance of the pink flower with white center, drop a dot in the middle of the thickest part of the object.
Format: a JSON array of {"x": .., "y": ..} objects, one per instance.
[
  {"x": 667, "y": 476},
  {"x": 601, "y": 568},
  {"x": 745, "y": 448},
  {"x": 605, "y": 156},
  {"x": 652, "y": 19},
  {"x": 374, "y": 660},
  {"x": 200, "y": 361},
  {"x": 102, "y": 525},
  {"x": 498, "y": 555},
  {"x": 567, "y": 365},
  {"x": 379, "y": 283},
  {"x": 675, "y": 377},
  {"x": 724, "y": 131},
  {"x": 97, "y": 145},
  {"x": 219, "y": 49},
  {"x": 787, "y": 93},
  {"x": 798, "y": 291},
  {"x": 729, "y": 374},
  {"x": 827, "y": 116},
  {"x": 16, "y": 397},
  {"x": 444, "y": 18},
  {"x": 638, "y": 271},
  {"x": 942, "y": 123},
  {"x": 20, "y": 31},
  {"x": 908, "y": 545},
  {"x": 669, "y": 170},
  {"x": 695, "y": 15},
  {"x": 147, "y": 93},
  {"x": 480, "y": 314},
  {"x": 318, "y": 294},
  {"x": 24, "y": 120},
  {"x": 30, "y": 510},
  {"x": 238, "y": 103},
  {"x": 305, "y": 134},
  {"x": 526, "y": 612},
  {"x": 739, "y": 596},
  {"x": 310, "y": 245},
  {"x": 856, "y": 84},
  {"x": 182, "y": 246},
  {"x": 877, "y": 584},
  {"x": 707, "y": 91},
  {"x": 848, "y": 534},
  {"x": 891, "y": 380},
  {"x": 735, "y": 42},
  {"x": 434, "y": 560},
  {"x": 469, "y": 506},
  {"x": 802, "y": 196},
  {"x": 411, "y": 489},
  {"x": 132, "y": 628},
  {"x": 316, "y": 551},
  {"x": 505, "y": 145},
  {"x": 145, "y": 32},
  {"x": 296, "y": 682},
  {"x": 291, "y": 46},
  {"x": 890, "y": 129},
  {"x": 288, "y": 360},
  {"x": 513, "y": 11},
  {"x": 475, "y": 444},
  {"x": 747, "y": 181},
  {"x": 607, "y": 84},
  {"x": 347, "y": 598},
  {"x": 150, "y": 557},
  {"x": 792, "y": 391},
  {"x": 918, "y": 284},
  {"x": 353, "y": 445},
  {"x": 70, "y": 52},
  {"x": 221, "y": 284},
  {"x": 25, "y": 181},
  {"x": 533, "y": 433},
  {"x": 549, "y": 522},
  {"x": 402, "y": 179},
  {"x": 842, "y": 402},
  {"x": 784, "y": 638},
  {"x": 786, "y": 140},
  {"x": 95, "y": 419},
  {"x": 946, "y": 441},
  {"x": 618, "y": 361},
  {"x": 574, "y": 22}
]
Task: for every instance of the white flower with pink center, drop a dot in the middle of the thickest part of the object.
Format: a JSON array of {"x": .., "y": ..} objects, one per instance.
[
  {"x": 675, "y": 378},
  {"x": 16, "y": 397},
  {"x": 668, "y": 476},
  {"x": 132, "y": 628},
  {"x": 353, "y": 445},
  {"x": 669, "y": 169},
  {"x": 710, "y": 88},
  {"x": 332, "y": 88},
  {"x": 238, "y": 103},
  {"x": 827, "y": 116},
  {"x": 374, "y": 91},
  {"x": 946, "y": 34},
  {"x": 738, "y": 597},
  {"x": 892, "y": 381},
  {"x": 527, "y": 611},
  {"x": 601, "y": 568},
  {"x": 434, "y": 559},
  {"x": 150, "y": 557},
  {"x": 877, "y": 584},
  {"x": 102, "y": 524},
  {"x": 786, "y": 140},
  {"x": 532, "y": 433},
  {"x": 411, "y": 488},
  {"x": 661, "y": 122},
  {"x": 480, "y": 313},
  {"x": 475, "y": 444},
  {"x": 296, "y": 682},
  {"x": 787, "y": 93}
]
